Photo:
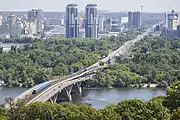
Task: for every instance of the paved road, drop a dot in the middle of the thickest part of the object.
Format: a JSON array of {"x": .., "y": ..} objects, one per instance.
[{"x": 64, "y": 82}]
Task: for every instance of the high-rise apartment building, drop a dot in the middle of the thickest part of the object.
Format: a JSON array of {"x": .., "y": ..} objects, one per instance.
[
  {"x": 91, "y": 21},
  {"x": 72, "y": 22},
  {"x": 35, "y": 17},
  {"x": 1, "y": 20},
  {"x": 108, "y": 24},
  {"x": 130, "y": 19},
  {"x": 11, "y": 22},
  {"x": 101, "y": 24},
  {"x": 178, "y": 30},
  {"x": 173, "y": 20},
  {"x": 136, "y": 19}
]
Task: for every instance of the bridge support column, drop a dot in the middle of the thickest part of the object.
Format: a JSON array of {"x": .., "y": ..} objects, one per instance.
[
  {"x": 54, "y": 98},
  {"x": 68, "y": 92},
  {"x": 79, "y": 88}
]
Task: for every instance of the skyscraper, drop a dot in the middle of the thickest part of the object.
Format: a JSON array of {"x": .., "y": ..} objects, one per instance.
[
  {"x": 11, "y": 22},
  {"x": 1, "y": 20},
  {"x": 91, "y": 21},
  {"x": 36, "y": 16},
  {"x": 130, "y": 19},
  {"x": 101, "y": 24},
  {"x": 136, "y": 19},
  {"x": 72, "y": 22},
  {"x": 178, "y": 30},
  {"x": 173, "y": 20}
]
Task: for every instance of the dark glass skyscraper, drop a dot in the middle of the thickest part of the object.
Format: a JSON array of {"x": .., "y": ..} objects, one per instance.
[
  {"x": 130, "y": 19},
  {"x": 72, "y": 23},
  {"x": 136, "y": 19},
  {"x": 91, "y": 21}
]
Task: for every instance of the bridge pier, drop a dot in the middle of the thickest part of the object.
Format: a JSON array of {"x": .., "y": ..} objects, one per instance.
[
  {"x": 68, "y": 91},
  {"x": 54, "y": 98},
  {"x": 78, "y": 86}
]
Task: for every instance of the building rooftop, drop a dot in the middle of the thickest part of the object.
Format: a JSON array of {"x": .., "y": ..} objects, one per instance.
[{"x": 72, "y": 5}]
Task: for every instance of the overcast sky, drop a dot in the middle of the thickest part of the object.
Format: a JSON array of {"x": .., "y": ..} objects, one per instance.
[{"x": 111, "y": 5}]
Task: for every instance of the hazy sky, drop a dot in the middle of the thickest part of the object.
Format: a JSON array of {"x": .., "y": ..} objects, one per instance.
[{"x": 112, "y": 5}]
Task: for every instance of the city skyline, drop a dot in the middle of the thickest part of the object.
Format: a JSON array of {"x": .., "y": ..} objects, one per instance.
[{"x": 116, "y": 5}]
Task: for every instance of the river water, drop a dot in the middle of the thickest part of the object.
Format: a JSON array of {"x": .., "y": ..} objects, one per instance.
[
  {"x": 7, "y": 46},
  {"x": 99, "y": 98}
]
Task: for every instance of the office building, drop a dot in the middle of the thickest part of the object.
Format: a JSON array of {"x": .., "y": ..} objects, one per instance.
[
  {"x": 35, "y": 17},
  {"x": 173, "y": 20},
  {"x": 91, "y": 21},
  {"x": 136, "y": 19},
  {"x": 130, "y": 19},
  {"x": 72, "y": 22}
]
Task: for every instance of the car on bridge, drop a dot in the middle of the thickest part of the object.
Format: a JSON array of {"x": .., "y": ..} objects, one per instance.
[{"x": 41, "y": 87}]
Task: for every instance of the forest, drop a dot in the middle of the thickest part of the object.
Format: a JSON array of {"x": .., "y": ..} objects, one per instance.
[
  {"x": 42, "y": 60},
  {"x": 152, "y": 60}
]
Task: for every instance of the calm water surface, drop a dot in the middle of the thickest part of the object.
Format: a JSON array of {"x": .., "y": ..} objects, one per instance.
[
  {"x": 9, "y": 92},
  {"x": 99, "y": 98}
]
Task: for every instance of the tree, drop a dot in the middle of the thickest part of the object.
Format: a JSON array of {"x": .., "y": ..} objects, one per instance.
[
  {"x": 133, "y": 110},
  {"x": 108, "y": 113},
  {"x": 3, "y": 113},
  {"x": 172, "y": 100},
  {"x": 60, "y": 69},
  {"x": 175, "y": 114},
  {"x": 158, "y": 111}
]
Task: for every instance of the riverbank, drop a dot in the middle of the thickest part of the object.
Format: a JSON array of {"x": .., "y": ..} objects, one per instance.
[{"x": 151, "y": 85}]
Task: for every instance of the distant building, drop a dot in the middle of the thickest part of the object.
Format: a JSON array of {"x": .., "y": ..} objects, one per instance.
[
  {"x": 136, "y": 19},
  {"x": 91, "y": 21},
  {"x": 115, "y": 25},
  {"x": 35, "y": 16},
  {"x": 5, "y": 36},
  {"x": 173, "y": 20},
  {"x": 4, "y": 29},
  {"x": 166, "y": 20},
  {"x": 81, "y": 22},
  {"x": 11, "y": 22},
  {"x": 124, "y": 20},
  {"x": 1, "y": 20},
  {"x": 72, "y": 23},
  {"x": 178, "y": 30},
  {"x": 101, "y": 24},
  {"x": 130, "y": 19},
  {"x": 108, "y": 24}
]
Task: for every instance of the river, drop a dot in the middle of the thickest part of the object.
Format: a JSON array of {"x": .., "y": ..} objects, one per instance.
[
  {"x": 99, "y": 98},
  {"x": 7, "y": 46}
]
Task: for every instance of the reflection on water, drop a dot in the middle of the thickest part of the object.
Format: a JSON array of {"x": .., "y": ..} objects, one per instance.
[{"x": 101, "y": 97}]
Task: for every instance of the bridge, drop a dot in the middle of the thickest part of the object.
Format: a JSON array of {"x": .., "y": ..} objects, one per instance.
[{"x": 61, "y": 89}]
